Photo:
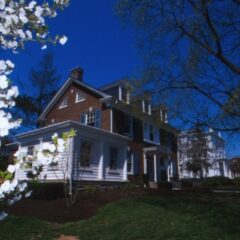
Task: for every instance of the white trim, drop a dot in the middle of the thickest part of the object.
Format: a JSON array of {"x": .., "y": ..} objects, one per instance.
[
  {"x": 144, "y": 163},
  {"x": 111, "y": 120},
  {"x": 64, "y": 87},
  {"x": 125, "y": 175},
  {"x": 101, "y": 161},
  {"x": 155, "y": 167},
  {"x": 132, "y": 162},
  {"x": 120, "y": 93},
  {"x": 83, "y": 98},
  {"x": 64, "y": 103}
]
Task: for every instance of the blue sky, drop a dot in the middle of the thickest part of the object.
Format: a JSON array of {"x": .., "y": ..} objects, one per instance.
[{"x": 97, "y": 42}]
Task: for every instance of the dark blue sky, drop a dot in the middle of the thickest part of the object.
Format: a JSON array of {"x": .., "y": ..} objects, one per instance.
[{"x": 97, "y": 42}]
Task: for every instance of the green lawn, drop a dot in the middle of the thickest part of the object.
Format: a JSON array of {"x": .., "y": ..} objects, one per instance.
[{"x": 194, "y": 217}]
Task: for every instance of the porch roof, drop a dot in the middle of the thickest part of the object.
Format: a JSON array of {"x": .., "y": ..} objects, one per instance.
[
  {"x": 75, "y": 125},
  {"x": 161, "y": 149}
]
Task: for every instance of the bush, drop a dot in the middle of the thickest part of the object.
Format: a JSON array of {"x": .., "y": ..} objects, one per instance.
[
  {"x": 213, "y": 182},
  {"x": 145, "y": 179},
  {"x": 186, "y": 183},
  {"x": 3, "y": 163},
  {"x": 46, "y": 191},
  {"x": 165, "y": 185},
  {"x": 236, "y": 181}
]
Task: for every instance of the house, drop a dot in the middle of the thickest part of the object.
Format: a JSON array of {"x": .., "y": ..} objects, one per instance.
[
  {"x": 118, "y": 135},
  {"x": 211, "y": 146}
]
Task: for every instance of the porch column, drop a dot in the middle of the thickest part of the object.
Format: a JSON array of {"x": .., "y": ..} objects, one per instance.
[
  {"x": 101, "y": 161},
  {"x": 125, "y": 176},
  {"x": 155, "y": 167},
  {"x": 144, "y": 163}
]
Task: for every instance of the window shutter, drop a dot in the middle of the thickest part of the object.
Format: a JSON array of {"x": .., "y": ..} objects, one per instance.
[
  {"x": 98, "y": 119},
  {"x": 83, "y": 118}
]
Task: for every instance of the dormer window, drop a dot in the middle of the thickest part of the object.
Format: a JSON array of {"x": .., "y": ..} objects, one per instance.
[
  {"x": 163, "y": 116},
  {"x": 64, "y": 103},
  {"x": 79, "y": 97},
  {"x": 124, "y": 94},
  {"x": 146, "y": 107}
]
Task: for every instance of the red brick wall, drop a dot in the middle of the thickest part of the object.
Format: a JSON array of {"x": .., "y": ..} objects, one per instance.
[{"x": 74, "y": 110}]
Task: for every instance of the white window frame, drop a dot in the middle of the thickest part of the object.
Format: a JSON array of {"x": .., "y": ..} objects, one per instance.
[
  {"x": 64, "y": 103},
  {"x": 79, "y": 97},
  {"x": 149, "y": 109},
  {"x": 121, "y": 97}
]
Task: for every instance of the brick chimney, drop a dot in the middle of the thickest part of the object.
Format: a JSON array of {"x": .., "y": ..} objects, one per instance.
[{"x": 77, "y": 73}]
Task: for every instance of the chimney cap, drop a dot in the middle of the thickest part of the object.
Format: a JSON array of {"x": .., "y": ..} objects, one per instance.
[{"x": 77, "y": 73}]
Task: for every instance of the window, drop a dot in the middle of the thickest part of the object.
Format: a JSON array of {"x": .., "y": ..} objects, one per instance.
[
  {"x": 151, "y": 133},
  {"x": 125, "y": 95},
  {"x": 30, "y": 150},
  {"x": 127, "y": 125},
  {"x": 164, "y": 116},
  {"x": 146, "y": 106},
  {"x": 85, "y": 156},
  {"x": 130, "y": 162},
  {"x": 79, "y": 97},
  {"x": 113, "y": 156},
  {"x": 91, "y": 118},
  {"x": 64, "y": 103}
]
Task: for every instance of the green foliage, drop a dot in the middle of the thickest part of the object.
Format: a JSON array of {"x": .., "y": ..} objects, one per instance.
[
  {"x": 186, "y": 183},
  {"x": 236, "y": 181},
  {"x": 69, "y": 134},
  {"x": 90, "y": 189},
  {"x": 145, "y": 178},
  {"x": 4, "y": 175},
  {"x": 3, "y": 163},
  {"x": 213, "y": 182},
  {"x": 164, "y": 185}
]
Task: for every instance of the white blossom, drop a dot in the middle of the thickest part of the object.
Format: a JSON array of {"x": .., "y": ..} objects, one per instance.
[
  {"x": 63, "y": 40},
  {"x": 3, "y": 82}
]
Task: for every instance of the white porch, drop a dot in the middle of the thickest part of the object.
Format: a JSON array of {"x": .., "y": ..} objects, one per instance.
[{"x": 157, "y": 164}]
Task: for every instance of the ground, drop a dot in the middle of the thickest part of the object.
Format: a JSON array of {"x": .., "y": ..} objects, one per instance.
[{"x": 131, "y": 215}]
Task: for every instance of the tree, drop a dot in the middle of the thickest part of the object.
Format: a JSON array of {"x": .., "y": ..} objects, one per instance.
[
  {"x": 20, "y": 22},
  {"x": 191, "y": 50},
  {"x": 234, "y": 166},
  {"x": 197, "y": 154},
  {"x": 44, "y": 83}
]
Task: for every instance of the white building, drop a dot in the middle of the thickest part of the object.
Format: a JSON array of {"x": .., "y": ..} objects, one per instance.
[{"x": 214, "y": 154}]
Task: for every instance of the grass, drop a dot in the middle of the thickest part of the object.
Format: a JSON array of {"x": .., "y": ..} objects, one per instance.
[{"x": 192, "y": 217}]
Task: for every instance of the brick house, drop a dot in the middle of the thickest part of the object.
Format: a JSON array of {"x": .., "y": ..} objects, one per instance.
[{"x": 118, "y": 136}]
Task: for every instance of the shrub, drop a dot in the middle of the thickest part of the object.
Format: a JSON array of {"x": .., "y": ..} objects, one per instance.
[
  {"x": 186, "y": 183},
  {"x": 165, "y": 185},
  {"x": 236, "y": 181},
  {"x": 145, "y": 179},
  {"x": 213, "y": 182},
  {"x": 46, "y": 191}
]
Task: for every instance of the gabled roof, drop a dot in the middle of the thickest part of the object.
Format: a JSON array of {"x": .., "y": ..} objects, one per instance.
[{"x": 58, "y": 95}]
